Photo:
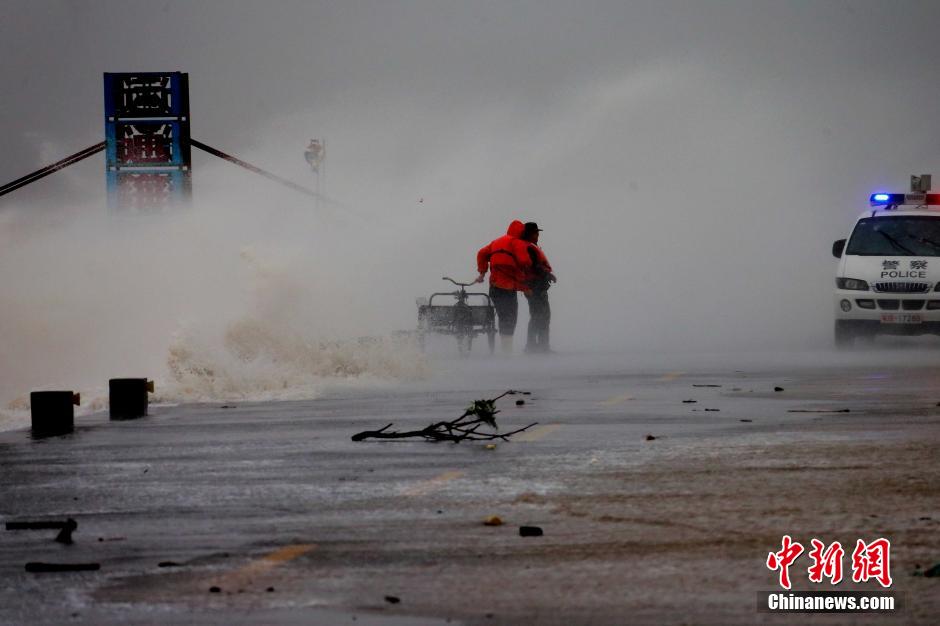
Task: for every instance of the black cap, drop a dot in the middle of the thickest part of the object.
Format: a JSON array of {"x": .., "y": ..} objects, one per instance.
[{"x": 531, "y": 227}]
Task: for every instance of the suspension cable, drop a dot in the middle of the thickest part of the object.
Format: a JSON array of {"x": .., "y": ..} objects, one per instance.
[
  {"x": 252, "y": 168},
  {"x": 51, "y": 169}
]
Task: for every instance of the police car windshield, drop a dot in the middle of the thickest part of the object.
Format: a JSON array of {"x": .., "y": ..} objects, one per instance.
[{"x": 896, "y": 236}]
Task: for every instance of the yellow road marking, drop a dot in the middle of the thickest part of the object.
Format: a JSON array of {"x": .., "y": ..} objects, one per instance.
[
  {"x": 286, "y": 554},
  {"x": 427, "y": 486},
  {"x": 539, "y": 432},
  {"x": 617, "y": 400},
  {"x": 671, "y": 376},
  {"x": 243, "y": 575}
]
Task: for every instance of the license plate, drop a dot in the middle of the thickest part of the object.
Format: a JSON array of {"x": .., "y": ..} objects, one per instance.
[{"x": 901, "y": 318}]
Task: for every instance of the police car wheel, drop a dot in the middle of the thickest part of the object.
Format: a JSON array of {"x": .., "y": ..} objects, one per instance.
[
  {"x": 865, "y": 334},
  {"x": 844, "y": 334}
]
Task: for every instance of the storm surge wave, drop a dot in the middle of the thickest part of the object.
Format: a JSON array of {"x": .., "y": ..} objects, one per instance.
[
  {"x": 259, "y": 361},
  {"x": 256, "y": 318},
  {"x": 254, "y": 361}
]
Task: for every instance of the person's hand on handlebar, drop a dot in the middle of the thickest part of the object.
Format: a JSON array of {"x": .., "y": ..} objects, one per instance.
[{"x": 480, "y": 278}]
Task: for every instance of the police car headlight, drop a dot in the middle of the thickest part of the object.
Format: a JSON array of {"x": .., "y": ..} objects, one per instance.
[{"x": 851, "y": 283}]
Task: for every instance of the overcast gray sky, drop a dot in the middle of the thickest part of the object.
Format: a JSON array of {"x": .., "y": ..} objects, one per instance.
[
  {"x": 691, "y": 162},
  {"x": 253, "y": 61}
]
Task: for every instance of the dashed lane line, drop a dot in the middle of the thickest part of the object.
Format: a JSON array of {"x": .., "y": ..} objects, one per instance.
[
  {"x": 617, "y": 399},
  {"x": 539, "y": 432},
  {"x": 670, "y": 376},
  {"x": 244, "y": 575},
  {"x": 427, "y": 486}
]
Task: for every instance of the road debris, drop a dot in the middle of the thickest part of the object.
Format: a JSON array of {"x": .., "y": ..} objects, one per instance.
[
  {"x": 168, "y": 564},
  {"x": 706, "y": 385},
  {"x": 689, "y": 401},
  {"x": 819, "y": 411},
  {"x": 215, "y": 590},
  {"x": 464, "y": 428},
  {"x": 36, "y": 566},
  {"x": 493, "y": 520},
  {"x": 933, "y": 572},
  {"x": 392, "y": 599},
  {"x": 65, "y": 528},
  {"x": 65, "y": 535},
  {"x": 778, "y": 389},
  {"x": 650, "y": 438},
  {"x": 530, "y": 531},
  {"x": 520, "y": 402},
  {"x": 45, "y": 525}
]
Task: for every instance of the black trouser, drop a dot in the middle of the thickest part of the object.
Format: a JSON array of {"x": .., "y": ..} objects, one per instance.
[
  {"x": 540, "y": 316},
  {"x": 507, "y": 309}
]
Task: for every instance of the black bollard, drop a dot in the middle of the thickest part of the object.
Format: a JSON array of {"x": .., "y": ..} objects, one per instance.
[
  {"x": 53, "y": 412},
  {"x": 128, "y": 397}
]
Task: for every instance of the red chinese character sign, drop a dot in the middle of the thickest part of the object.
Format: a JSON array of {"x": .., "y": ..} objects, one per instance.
[
  {"x": 147, "y": 140},
  {"x": 147, "y": 143}
]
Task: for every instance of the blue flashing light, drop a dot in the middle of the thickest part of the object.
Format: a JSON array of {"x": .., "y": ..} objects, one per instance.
[{"x": 887, "y": 199}]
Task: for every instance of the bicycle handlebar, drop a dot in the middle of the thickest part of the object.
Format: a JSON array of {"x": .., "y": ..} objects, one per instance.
[{"x": 458, "y": 284}]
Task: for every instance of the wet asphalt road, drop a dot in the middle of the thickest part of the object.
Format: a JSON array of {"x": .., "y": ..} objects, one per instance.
[{"x": 293, "y": 522}]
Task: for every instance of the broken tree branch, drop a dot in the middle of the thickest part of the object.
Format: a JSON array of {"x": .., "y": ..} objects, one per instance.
[{"x": 464, "y": 428}]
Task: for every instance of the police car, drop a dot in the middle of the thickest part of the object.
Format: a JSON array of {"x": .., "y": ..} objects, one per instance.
[{"x": 888, "y": 279}]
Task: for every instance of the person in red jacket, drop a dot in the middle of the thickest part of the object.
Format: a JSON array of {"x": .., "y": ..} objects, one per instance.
[
  {"x": 508, "y": 261},
  {"x": 538, "y": 280}
]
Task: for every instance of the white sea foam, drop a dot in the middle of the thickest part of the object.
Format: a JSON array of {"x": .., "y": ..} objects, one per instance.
[
  {"x": 258, "y": 361},
  {"x": 208, "y": 304},
  {"x": 255, "y": 361}
]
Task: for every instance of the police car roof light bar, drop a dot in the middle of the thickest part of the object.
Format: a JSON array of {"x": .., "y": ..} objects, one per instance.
[{"x": 898, "y": 199}]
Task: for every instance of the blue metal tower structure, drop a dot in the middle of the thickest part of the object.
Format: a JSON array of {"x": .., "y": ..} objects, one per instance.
[
  {"x": 147, "y": 140},
  {"x": 148, "y": 147}
]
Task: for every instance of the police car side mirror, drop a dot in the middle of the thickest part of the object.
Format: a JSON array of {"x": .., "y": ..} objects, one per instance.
[{"x": 837, "y": 247}]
